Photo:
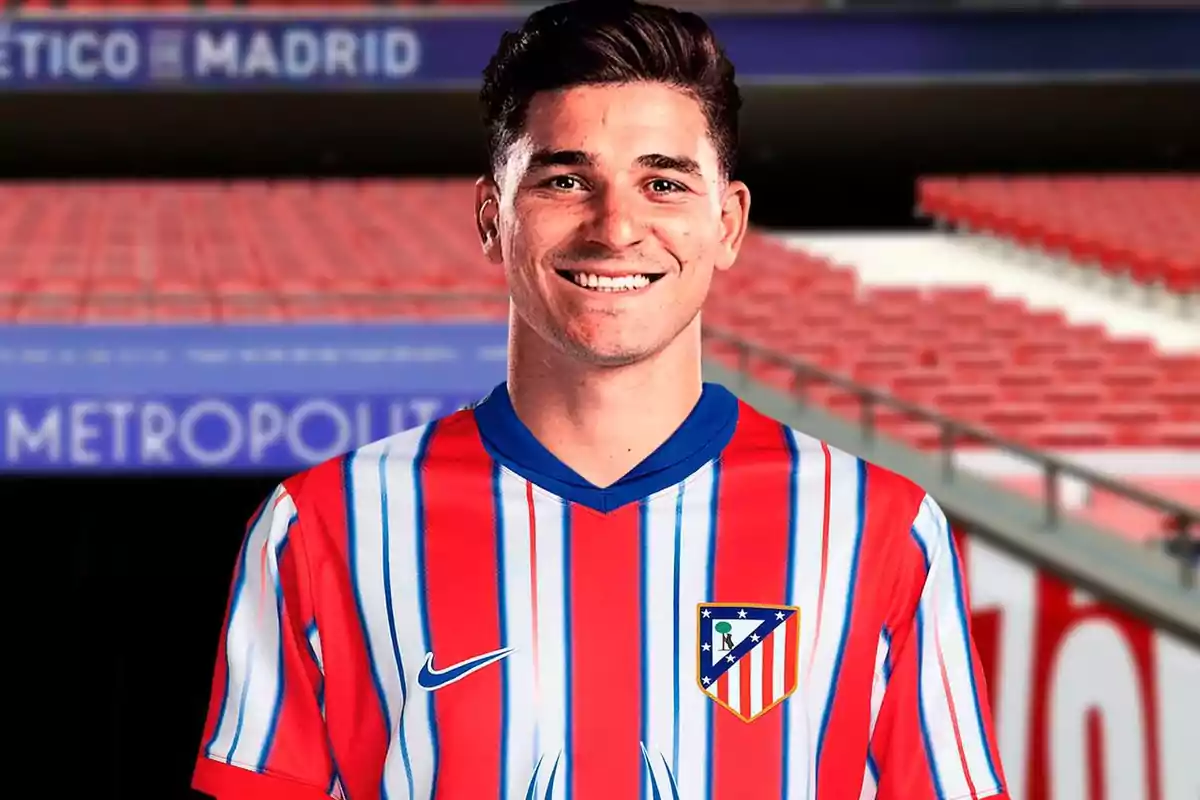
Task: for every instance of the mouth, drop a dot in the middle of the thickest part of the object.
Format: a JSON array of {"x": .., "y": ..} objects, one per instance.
[{"x": 609, "y": 283}]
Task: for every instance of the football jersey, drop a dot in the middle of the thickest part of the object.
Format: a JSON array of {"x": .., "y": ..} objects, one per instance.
[{"x": 452, "y": 613}]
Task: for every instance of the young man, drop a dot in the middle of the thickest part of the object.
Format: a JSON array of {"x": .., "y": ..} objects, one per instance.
[{"x": 608, "y": 579}]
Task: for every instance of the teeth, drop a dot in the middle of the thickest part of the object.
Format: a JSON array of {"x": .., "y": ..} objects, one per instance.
[{"x": 605, "y": 283}]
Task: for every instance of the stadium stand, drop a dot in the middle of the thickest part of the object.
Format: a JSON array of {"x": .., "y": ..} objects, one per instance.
[
  {"x": 1141, "y": 229},
  {"x": 377, "y": 249}
]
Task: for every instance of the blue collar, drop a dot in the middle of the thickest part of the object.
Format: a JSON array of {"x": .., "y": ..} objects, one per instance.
[{"x": 700, "y": 439}]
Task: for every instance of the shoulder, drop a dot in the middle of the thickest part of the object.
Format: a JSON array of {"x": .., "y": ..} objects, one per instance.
[
  {"x": 879, "y": 493},
  {"x": 328, "y": 489}
]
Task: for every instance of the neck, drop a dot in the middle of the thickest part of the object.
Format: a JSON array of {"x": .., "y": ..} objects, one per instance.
[{"x": 602, "y": 421}]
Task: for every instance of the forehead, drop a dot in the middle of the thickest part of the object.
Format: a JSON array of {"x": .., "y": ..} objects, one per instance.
[{"x": 619, "y": 123}]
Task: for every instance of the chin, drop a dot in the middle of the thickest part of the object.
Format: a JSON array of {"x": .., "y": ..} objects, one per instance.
[{"x": 609, "y": 354}]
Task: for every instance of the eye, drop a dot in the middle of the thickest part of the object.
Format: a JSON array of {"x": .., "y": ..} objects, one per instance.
[
  {"x": 664, "y": 186},
  {"x": 564, "y": 183}
]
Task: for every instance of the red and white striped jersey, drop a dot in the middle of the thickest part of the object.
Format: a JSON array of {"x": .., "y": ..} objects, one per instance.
[{"x": 451, "y": 613}]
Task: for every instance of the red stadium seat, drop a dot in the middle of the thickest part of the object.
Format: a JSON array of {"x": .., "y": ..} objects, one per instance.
[
  {"x": 384, "y": 249},
  {"x": 1142, "y": 228}
]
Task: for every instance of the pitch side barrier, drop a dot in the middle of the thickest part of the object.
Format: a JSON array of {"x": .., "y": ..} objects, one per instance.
[{"x": 1157, "y": 584}]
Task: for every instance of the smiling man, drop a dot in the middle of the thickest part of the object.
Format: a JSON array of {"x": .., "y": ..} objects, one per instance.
[{"x": 608, "y": 579}]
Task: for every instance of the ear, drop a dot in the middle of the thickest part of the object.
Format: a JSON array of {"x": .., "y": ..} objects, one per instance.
[
  {"x": 487, "y": 218},
  {"x": 735, "y": 220}
]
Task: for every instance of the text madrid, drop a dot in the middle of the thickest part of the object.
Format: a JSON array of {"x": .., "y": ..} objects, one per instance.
[{"x": 291, "y": 53}]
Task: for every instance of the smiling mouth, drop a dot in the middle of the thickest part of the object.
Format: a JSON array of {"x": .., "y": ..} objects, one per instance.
[{"x": 609, "y": 283}]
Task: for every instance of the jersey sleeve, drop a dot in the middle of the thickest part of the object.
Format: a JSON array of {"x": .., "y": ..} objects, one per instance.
[
  {"x": 933, "y": 737},
  {"x": 264, "y": 737}
]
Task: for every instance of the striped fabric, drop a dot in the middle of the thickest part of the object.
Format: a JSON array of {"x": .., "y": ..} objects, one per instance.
[{"x": 417, "y": 620}]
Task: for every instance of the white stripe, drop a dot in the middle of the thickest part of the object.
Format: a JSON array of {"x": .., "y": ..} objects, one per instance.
[
  {"x": 518, "y": 597},
  {"x": 252, "y": 645},
  {"x": 804, "y": 709},
  {"x": 779, "y": 660},
  {"x": 733, "y": 676},
  {"x": 550, "y": 516},
  {"x": 878, "y": 689},
  {"x": 692, "y": 774},
  {"x": 314, "y": 641},
  {"x": 404, "y": 558},
  {"x": 869, "y": 787},
  {"x": 660, "y": 625},
  {"x": 880, "y": 685},
  {"x": 944, "y": 627},
  {"x": 756, "y": 680}
]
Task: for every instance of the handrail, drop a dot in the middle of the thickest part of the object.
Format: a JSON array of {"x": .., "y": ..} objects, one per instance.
[{"x": 953, "y": 430}]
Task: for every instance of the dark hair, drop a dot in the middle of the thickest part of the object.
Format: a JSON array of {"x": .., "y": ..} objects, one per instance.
[{"x": 588, "y": 42}]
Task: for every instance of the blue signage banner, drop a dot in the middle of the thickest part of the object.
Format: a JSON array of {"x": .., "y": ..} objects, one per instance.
[
  {"x": 399, "y": 50},
  {"x": 272, "y": 399}
]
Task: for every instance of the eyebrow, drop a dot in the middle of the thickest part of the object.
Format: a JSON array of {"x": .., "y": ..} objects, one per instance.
[{"x": 578, "y": 158}]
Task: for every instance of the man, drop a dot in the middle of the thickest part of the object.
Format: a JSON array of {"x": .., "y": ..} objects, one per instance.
[{"x": 608, "y": 579}]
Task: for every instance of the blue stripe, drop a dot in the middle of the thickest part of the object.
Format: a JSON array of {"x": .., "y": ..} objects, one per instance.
[
  {"x": 850, "y": 592},
  {"x": 887, "y": 661},
  {"x": 643, "y": 644},
  {"x": 386, "y": 530},
  {"x": 277, "y": 705},
  {"x": 671, "y": 778},
  {"x": 920, "y": 617},
  {"x": 239, "y": 582},
  {"x": 710, "y": 589},
  {"x": 568, "y": 668},
  {"x": 502, "y": 604},
  {"x": 351, "y": 552},
  {"x": 553, "y": 775},
  {"x": 677, "y": 617},
  {"x": 960, "y": 597},
  {"x": 873, "y": 767},
  {"x": 925, "y": 737},
  {"x": 310, "y": 631},
  {"x": 793, "y": 522},
  {"x": 537, "y": 768},
  {"x": 654, "y": 793},
  {"x": 419, "y": 528}
]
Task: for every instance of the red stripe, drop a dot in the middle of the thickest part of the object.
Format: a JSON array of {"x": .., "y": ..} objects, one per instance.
[
  {"x": 354, "y": 717},
  {"x": 462, "y": 602},
  {"x": 890, "y": 503},
  {"x": 791, "y": 656},
  {"x": 904, "y": 768},
  {"x": 299, "y": 748},
  {"x": 824, "y": 553},
  {"x": 606, "y": 666},
  {"x": 768, "y": 687},
  {"x": 750, "y": 564},
  {"x": 962, "y": 755}
]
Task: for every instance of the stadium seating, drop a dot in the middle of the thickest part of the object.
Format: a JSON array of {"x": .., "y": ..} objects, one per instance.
[
  {"x": 379, "y": 249},
  {"x": 346, "y": 251},
  {"x": 1139, "y": 228}
]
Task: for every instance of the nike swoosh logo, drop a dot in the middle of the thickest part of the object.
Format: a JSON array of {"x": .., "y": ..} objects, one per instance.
[{"x": 431, "y": 679}]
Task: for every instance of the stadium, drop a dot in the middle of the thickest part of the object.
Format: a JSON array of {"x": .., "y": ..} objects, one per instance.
[{"x": 236, "y": 241}]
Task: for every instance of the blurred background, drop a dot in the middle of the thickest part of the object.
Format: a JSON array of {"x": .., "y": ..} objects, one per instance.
[{"x": 236, "y": 239}]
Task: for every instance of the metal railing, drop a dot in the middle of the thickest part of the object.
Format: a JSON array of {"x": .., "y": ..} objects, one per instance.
[{"x": 1180, "y": 543}]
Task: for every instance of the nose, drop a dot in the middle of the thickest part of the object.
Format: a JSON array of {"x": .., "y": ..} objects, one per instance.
[{"x": 615, "y": 222}]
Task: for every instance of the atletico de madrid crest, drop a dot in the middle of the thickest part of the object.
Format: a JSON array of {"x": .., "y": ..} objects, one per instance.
[{"x": 748, "y": 659}]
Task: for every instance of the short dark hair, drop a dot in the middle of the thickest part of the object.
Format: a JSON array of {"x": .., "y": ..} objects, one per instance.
[{"x": 590, "y": 42}]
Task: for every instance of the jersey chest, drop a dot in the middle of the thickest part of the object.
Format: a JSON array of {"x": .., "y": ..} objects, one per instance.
[{"x": 626, "y": 646}]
